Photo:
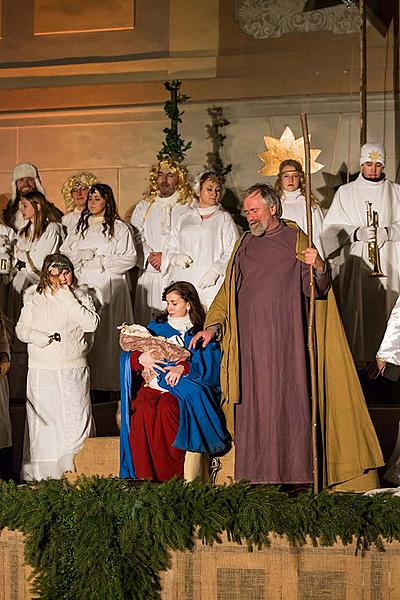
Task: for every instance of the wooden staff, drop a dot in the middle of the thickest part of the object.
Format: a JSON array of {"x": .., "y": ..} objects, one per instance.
[
  {"x": 363, "y": 72},
  {"x": 311, "y": 317}
]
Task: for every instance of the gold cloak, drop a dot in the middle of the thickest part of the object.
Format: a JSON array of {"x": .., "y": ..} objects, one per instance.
[{"x": 350, "y": 448}]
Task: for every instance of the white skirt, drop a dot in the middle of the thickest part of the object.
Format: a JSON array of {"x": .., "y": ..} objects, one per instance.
[{"x": 58, "y": 420}]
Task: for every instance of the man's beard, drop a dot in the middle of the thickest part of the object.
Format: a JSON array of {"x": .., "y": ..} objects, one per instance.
[
  {"x": 166, "y": 191},
  {"x": 258, "y": 229}
]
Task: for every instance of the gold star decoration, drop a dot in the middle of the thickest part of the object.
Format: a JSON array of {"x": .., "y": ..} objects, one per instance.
[
  {"x": 283, "y": 148},
  {"x": 375, "y": 155}
]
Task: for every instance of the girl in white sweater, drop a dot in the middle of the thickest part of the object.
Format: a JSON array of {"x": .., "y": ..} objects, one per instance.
[{"x": 55, "y": 320}]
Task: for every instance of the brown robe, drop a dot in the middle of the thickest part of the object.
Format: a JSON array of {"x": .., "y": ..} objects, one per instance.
[
  {"x": 350, "y": 447},
  {"x": 273, "y": 421}
]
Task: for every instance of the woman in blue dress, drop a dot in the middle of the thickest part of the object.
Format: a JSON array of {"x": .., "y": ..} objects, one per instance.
[{"x": 167, "y": 424}]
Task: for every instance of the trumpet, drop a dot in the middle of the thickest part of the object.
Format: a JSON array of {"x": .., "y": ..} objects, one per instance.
[{"x": 373, "y": 249}]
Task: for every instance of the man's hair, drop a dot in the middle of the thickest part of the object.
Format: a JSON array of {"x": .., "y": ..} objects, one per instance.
[
  {"x": 268, "y": 196},
  {"x": 185, "y": 192}
]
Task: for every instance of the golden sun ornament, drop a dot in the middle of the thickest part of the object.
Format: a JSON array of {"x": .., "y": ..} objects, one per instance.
[{"x": 286, "y": 147}]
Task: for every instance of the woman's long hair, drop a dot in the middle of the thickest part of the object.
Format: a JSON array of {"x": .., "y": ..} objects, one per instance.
[
  {"x": 44, "y": 214},
  {"x": 45, "y": 281},
  {"x": 189, "y": 294},
  {"x": 110, "y": 211},
  {"x": 296, "y": 166}
]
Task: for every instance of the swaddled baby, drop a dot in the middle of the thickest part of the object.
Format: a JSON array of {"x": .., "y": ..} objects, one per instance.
[{"x": 137, "y": 338}]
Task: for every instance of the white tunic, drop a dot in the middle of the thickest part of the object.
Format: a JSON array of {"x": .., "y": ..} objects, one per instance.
[
  {"x": 152, "y": 223},
  {"x": 105, "y": 273},
  {"x": 389, "y": 351},
  {"x": 70, "y": 220},
  {"x": 48, "y": 243},
  {"x": 58, "y": 412},
  {"x": 208, "y": 242},
  {"x": 294, "y": 209},
  {"x": 365, "y": 302},
  {"x": 8, "y": 237}
]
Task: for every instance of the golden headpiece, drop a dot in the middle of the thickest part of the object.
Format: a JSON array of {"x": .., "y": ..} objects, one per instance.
[
  {"x": 283, "y": 148},
  {"x": 83, "y": 179},
  {"x": 183, "y": 187}
]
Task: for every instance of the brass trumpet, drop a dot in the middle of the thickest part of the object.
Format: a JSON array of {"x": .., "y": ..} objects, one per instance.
[{"x": 373, "y": 249}]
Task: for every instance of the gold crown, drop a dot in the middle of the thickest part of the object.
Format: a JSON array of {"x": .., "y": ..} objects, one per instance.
[{"x": 283, "y": 148}]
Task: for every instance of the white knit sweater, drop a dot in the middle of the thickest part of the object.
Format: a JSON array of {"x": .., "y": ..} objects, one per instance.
[{"x": 71, "y": 314}]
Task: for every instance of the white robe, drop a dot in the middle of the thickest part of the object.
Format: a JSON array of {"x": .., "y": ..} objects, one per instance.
[
  {"x": 365, "y": 302},
  {"x": 106, "y": 276},
  {"x": 9, "y": 237},
  {"x": 294, "y": 209},
  {"x": 209, "y": 243},
  {"x": 152, "y": 223},
  {"x": 70, "y": 220},
  {"x": 48, "y": 243},
  {"x": 58, "y": 411},
  {"x": 389, "y": 351}
]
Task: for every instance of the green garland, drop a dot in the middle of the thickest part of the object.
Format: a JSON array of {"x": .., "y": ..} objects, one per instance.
[
  {"x": 101, "y": 538},
  {"x": 214, "y": 160},
  {"x": 174, "y": 146}
]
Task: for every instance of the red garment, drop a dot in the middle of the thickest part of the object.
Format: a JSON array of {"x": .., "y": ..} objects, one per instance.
[{"x": 153, "y": 428}]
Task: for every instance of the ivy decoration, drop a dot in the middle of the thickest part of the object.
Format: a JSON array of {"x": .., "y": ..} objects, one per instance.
[
  {"x": 174, "y": 146},
  {"x": 214, "y": 160}
]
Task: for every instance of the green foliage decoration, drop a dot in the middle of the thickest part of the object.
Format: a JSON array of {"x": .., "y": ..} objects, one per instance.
[
  {"x": 214, "y": 160},
  {"x": 106, "y": 538},
  {"x": 174, "y": 146}
]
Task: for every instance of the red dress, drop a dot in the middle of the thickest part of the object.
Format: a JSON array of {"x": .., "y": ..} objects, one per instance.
[{"x": 153, "y": 429}]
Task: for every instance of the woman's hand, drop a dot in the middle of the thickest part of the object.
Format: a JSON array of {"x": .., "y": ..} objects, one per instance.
[
  {"x": 174, "y": 374},
  {"x": 147, "y": 360}
]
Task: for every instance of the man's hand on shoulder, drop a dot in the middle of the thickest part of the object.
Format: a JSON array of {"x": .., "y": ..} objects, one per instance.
[
  {"x": 313, "y": 258},
  {"x": 205, "y": 336}
]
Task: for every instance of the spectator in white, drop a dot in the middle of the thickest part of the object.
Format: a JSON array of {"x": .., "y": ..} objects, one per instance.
[
  {"x": 290, "y": 186},
  {"x": 153, "y": 218},
  {"x": 200, "y": 245},
  {"x": 40, "y": 236},
  {"x": 388, "y": 355},
  {"x": 365, "y": 301},
  {"x": 55, "y": 321},
  {"x": 7, "y": 242},
  {"x": 102, "y": 250},
  {"x": 75, "y": 191}
]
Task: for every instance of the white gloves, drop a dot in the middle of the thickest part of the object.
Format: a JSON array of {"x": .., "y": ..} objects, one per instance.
[
  {"x": 208, "y": 279},
  {"x": 88, "y": 259},
  {"x": 86, "y": 255},
  {"x": 181, "y": 260},
  {"x": 367, "y": 234}
]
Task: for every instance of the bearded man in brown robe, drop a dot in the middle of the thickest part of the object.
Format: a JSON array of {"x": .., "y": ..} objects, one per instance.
[{"x": 259, "y": 315}]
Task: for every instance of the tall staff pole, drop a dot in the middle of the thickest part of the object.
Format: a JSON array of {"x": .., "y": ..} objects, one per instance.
[
  {"x": 311, "y": 317},
  {"x": 363, "y": 71}
]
